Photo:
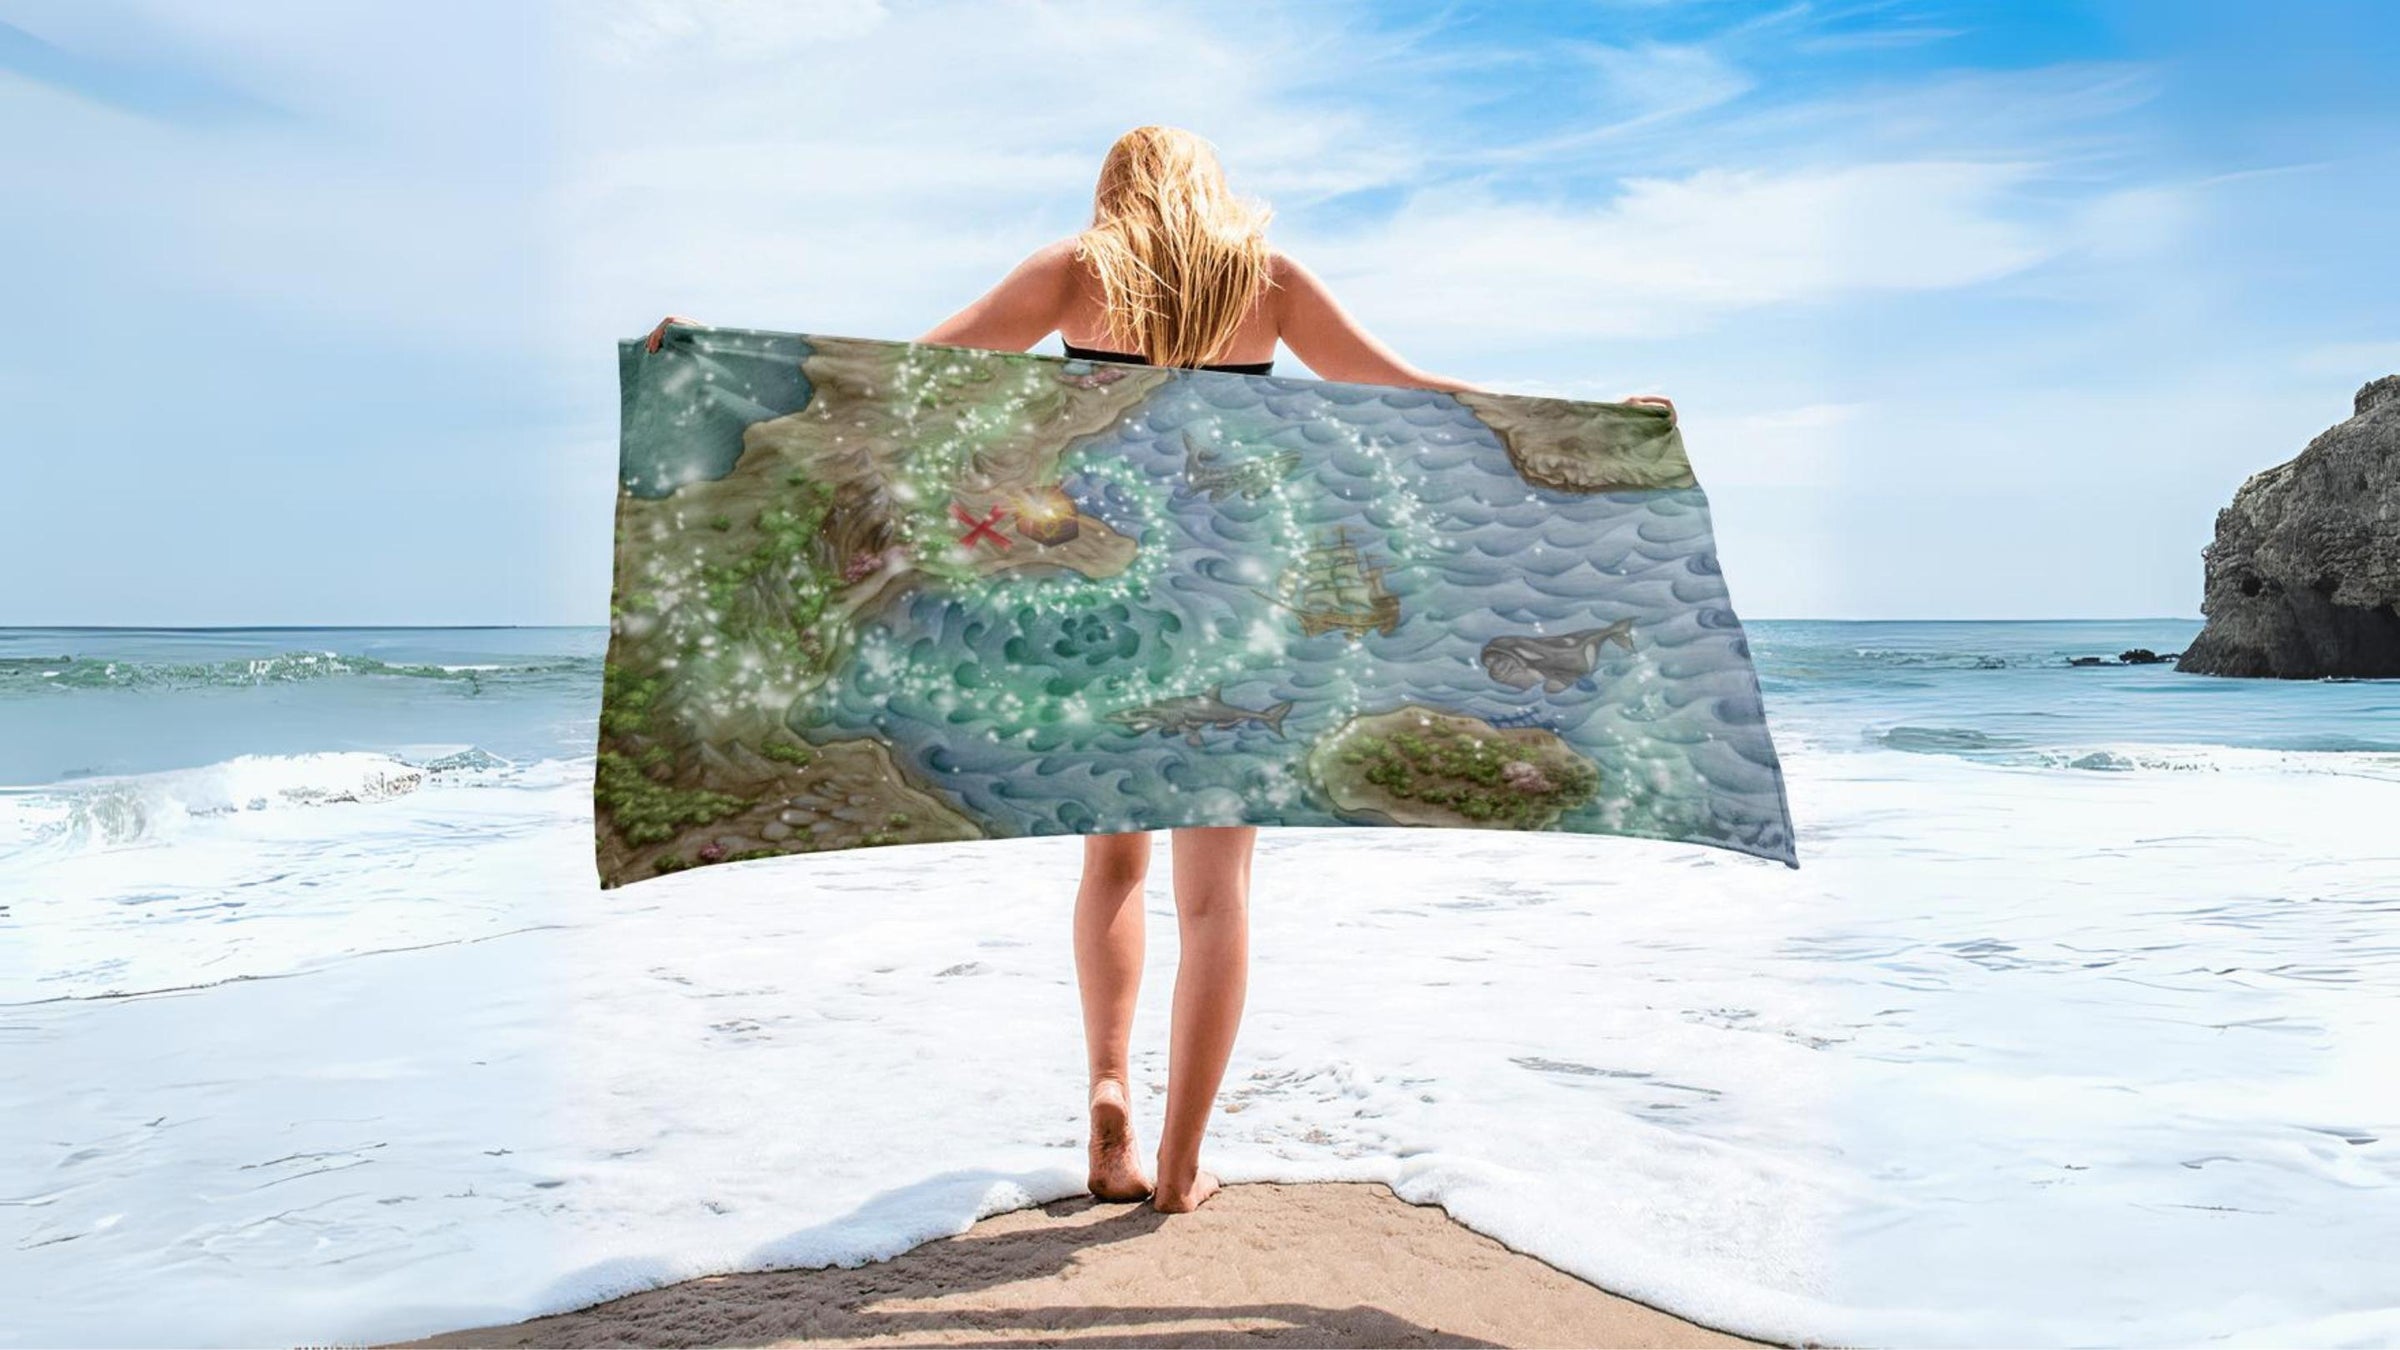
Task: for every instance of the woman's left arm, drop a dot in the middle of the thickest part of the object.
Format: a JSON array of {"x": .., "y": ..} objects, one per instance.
[{"x": 1022, "y": 310}]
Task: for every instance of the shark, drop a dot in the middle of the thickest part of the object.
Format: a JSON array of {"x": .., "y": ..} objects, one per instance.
[
  {"x": 1554, "y": 662},
  {"x": 1253, "y": 477},
  {"x": 1196, "y": 713}
]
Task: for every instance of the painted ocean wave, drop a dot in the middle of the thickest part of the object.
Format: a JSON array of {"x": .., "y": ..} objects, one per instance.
[{"x": 1473, "y": 553}]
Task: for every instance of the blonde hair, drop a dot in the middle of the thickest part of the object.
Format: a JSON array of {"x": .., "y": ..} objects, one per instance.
[{"x": 1180, "y": 259}]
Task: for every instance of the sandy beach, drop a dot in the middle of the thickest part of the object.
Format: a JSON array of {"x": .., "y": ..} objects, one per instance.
[{"x": 1270, "y": 1265}]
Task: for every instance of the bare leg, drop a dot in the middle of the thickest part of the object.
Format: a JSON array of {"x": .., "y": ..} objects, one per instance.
[
  {"x": 1108, "y": 973},
  {"x": 1212, "y": 911}
]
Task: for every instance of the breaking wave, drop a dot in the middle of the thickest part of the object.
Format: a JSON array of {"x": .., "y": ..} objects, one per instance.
[
  {"x": 105, "y": 813},
  {"x": 32, "y": 674},
  {"x": 2362, "y": 761}
]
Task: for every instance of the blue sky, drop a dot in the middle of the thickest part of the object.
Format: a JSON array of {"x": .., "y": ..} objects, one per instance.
[{"x": 1972, "y": 310}]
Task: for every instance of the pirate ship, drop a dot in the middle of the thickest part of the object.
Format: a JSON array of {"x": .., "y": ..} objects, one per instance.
[{"x": 1332, "y": 588}]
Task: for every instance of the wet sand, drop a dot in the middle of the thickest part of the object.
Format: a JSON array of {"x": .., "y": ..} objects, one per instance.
[{"x": 1261, "y": 1265}]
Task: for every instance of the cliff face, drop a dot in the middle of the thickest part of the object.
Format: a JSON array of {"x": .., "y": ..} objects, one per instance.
[{"x": 2303, "y": 579}]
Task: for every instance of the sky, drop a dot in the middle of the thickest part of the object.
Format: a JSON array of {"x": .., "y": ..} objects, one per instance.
[{"x": 1970, "y": 310}]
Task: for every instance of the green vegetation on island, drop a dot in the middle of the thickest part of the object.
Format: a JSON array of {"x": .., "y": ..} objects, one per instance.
[
  {"x": 629, "y": 784},
  {"x": 740, "y": 593},
  {"x": 1422, "y": 766}
]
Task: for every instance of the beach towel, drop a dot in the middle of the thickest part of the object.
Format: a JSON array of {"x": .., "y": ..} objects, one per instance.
[{"x": 872, "y": 593}]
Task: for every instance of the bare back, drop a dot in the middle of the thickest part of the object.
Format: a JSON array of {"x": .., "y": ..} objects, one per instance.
[
  {"x": 1053, "y": 292},
  {"x": 1084, "y": 321}
]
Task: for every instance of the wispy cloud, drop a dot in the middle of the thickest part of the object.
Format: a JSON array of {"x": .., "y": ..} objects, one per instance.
[
  {"x": 1893, "y": 259},
  {"x": 371, "y": 199},
  {"x": 155, "y": 88},
  {"x": 926, "y": 149},
  {"x": 1633, "y": 89},
  {"x": 701, "y": 168},
  {"x": 1673, "y": 256}
]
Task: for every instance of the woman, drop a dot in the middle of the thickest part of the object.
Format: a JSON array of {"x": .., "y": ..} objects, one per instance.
[{"x": 1174, "y": 271}]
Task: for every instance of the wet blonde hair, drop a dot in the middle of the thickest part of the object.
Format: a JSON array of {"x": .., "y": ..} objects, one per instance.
[{"x": 1180, "y": 259}]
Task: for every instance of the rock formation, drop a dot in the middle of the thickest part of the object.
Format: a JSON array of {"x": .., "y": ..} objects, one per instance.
[{"x": 2303, "y": 579}]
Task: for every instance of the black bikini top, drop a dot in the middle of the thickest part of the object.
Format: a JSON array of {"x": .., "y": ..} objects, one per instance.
[{"x": 1075, "y": 353}]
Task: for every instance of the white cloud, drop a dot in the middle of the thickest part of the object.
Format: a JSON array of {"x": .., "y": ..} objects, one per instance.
[
  {"x": 2072, "y": 114},
  {"x": 1630, "y": 89},
  {"x": 1816, "y": 273},
  {"x": 737, "y": 31},
  {"x": 850, "y": 168},
  {"x": 1672, "y": 256},
  {"x": 870, "y": 175},
  {"x": 366, "y": 203}
]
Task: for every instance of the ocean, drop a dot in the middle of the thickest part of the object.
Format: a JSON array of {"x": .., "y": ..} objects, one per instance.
[{"x": 2071, "y": 1027}]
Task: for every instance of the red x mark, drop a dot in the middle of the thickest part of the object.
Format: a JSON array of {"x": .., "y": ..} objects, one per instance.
[{"x": 979, "y": 529}]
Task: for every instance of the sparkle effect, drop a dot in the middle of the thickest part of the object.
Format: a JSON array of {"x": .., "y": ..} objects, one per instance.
[{"x": 847, "y": 578}]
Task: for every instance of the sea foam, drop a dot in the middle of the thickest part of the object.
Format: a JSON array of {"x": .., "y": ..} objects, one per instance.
[{"x": 2128, "y": 1024}]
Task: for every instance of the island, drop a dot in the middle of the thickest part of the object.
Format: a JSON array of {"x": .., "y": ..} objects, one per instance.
[
  {"x": 1416, "y": 765},
  {"x": 740, "y": 594},
  {"x": 1583, "y": 448}
]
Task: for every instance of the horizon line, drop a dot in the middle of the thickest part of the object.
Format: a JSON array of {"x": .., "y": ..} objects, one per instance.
[{"x": 514, "y": 627}]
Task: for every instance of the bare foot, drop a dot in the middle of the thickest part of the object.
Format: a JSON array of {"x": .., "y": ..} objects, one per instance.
[
  {"x": 1184, "y": 1199},
  {"x": 1115, "y": 1173}
]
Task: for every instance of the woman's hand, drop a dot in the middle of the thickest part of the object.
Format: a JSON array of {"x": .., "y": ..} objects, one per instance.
[
  {"x": 659, "y": 334},
  {"x": 1659, "y": 399}
]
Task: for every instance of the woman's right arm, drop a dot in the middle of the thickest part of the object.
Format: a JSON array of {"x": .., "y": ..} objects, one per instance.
[{"x": 1331, "y": 343}]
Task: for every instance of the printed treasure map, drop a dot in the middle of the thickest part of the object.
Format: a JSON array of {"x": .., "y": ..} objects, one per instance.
[{"x": 880, "y": 593}]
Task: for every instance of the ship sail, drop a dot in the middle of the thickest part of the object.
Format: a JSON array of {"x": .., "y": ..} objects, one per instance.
[{"x": 1333, "y": 586}]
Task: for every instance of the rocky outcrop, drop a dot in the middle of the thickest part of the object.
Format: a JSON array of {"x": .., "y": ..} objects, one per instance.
[
  {"x": 2303, "y": 579},
  {"x": 2139, "y": 656}
]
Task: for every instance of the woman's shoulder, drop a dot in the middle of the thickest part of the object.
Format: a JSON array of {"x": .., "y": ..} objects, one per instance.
[
  {"x": 1291, "y": 286},
  {"x": 1064, "y": 258},
  {"x": 1054, "y": 258}
]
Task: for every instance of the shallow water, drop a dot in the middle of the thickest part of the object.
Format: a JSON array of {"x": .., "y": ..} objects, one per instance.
[{"x": 317, "y": 1028}]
